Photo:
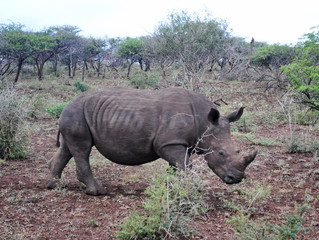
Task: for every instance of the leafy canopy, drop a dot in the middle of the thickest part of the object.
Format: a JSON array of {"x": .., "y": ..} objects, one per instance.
[
  {"x": 273, "y": 56},
  {"x": 130, "y": 48},
  {"x": 303, "y": 72}
]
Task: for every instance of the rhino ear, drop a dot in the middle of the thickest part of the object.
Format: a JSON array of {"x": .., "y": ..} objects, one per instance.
[
  {"x": 213, "y": 116},
  {"x": 235, "y": 115}
]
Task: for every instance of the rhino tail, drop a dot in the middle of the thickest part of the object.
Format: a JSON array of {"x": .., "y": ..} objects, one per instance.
[{"x": 58, "y": 140}]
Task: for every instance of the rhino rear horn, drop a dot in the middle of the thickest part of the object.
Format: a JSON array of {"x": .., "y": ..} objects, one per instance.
[{"x": 248, "y": 159}]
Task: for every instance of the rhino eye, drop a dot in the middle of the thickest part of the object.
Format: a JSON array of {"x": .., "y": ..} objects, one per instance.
[{"x": 221, "y": 153}]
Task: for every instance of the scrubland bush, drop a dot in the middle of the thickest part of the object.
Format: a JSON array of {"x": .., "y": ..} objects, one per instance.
[
  {"x": 37, "y": 106},
  {"x": 297, "y": 143},
  {"x": 303, "y": 72},
  {"x": 268, "y": 60},
  {"x": 141, "y": 80},
  {"x": 252, "y": 197},
  {"x": 244, "y": 124},
  {"x": 13, "y": 112},
  {"x": 171, "y": 203},
  {"x": 252, "y": 194},
  {"x": 56, "y": 109},
  {"x": 80, "y": 86},
  {"x": 301, "y": 144},
  {"x": 307, "y": 117},
  {"x": 248, "y": 229}
]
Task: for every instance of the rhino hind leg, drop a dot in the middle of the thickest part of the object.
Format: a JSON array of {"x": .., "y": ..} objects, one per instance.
[
  {"x": 57, "y": 164},
  {"x": 81, "y": 152},
  {"x": 84, "y": 174}
]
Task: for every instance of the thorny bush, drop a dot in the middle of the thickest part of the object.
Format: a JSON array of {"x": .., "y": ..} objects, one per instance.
[{"x": 13, "y": 112}]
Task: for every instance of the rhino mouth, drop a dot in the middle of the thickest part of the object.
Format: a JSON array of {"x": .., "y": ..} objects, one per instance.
[
  {"x": 232, "y": 179},
  {"x": 238, "y": 175}
]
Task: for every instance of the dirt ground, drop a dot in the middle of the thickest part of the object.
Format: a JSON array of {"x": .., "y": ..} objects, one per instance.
[{"x": 30, "y": 211}]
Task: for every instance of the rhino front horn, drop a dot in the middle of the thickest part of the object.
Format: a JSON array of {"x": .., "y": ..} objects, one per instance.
[{"x": 248, "y": 159}]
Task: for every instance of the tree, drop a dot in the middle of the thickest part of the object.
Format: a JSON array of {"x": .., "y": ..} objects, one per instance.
[
  {"x": 273, "y": 56},
  {"x": 130, "y": 49},
  {"x": 100, "y": 54},
  {"x": 5, "y": 65},
  {"x": 232, "y": 59},
  {"x": 269, "y": 59},
  {"x": 156, "y": 51},
  {"x": 93, "y": 48},
  {"x": 44, "y": 48},
  {"x": 67, "y": 48},
  {"x": 16, "y": 44},
  {"x": 193, "y": 43},
  {"x": 303, "y": 72}
]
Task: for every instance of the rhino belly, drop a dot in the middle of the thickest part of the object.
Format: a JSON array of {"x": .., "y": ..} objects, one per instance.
[{"x": 125, "y": 152}]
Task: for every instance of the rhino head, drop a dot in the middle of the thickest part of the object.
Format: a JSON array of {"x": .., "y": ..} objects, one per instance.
[{"x": 222, "y": 156}]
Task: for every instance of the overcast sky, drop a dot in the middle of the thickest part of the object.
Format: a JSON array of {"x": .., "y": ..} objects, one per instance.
[{"x": 271, "y": 21}]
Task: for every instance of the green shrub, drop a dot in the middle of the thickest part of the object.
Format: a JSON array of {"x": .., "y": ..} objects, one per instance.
[
  {"x": 253, "y": 195},
  {"x": 56, "y": 109},
  {"x": 37, "y": 106},
  {"x": 301, "y": 144},
  {"x": 139, "y": 226},
  {"x": 269, "y": 60},
  {"x": 247, "y": 229},
  {"x": 244, "y": 123},
  {"x": 13, "y": 112},
  {"x": 173, "y": 200},
  {"x": 251, "y": 138},
  {"x": 142, "y": 80},
  {"x": 303, "y": 72},
  {"x": 292, "y": 225},
  {"x": 80, "y": 86},
  {"x": 273, "y": 56},
  {"x": 307, "y": 117}
]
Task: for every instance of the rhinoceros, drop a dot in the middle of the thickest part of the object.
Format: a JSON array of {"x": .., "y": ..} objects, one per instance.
[{"x": 133, "y": 127}]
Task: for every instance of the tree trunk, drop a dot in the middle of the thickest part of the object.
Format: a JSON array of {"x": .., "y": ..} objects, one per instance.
[
  {"x": 40, "y": 62},
  {"x": 83, "y": 70},
  {"x": 5, "y": 68},
  {"x": 20, "y": 63},
  {"x": 141, "y": 63},
  {"x": 71, "y": 65},
  {"x": 251, "y": 51},
  {"x": 40, "y": 67},
  {"x": 147, "y": 66},
  {"x": 98, "y": 68},
  {"x": 57, "y": 62},
  {"x": 73, "y": 70},
  {"x": 129, "y": 69},
  {"x": 70, "y": 72},
  {"x": 164, "y": 74}
]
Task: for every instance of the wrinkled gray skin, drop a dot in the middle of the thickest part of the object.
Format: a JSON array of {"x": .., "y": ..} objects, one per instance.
[{"x": 133, "y": 127}]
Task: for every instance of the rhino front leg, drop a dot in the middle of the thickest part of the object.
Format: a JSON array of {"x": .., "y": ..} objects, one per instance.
[
  {"x": 176, "y": 155},
  {"x": 57, "y": 164}
]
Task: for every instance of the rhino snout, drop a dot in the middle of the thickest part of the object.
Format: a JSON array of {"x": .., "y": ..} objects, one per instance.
[{"x": 232, "y": 179}]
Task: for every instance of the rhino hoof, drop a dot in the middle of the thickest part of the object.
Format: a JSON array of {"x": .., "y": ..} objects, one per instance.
[
  {"x": 52, "y": 184},
  {"x": 56, "y": 183},
  {"x": 95, "y": 192}
]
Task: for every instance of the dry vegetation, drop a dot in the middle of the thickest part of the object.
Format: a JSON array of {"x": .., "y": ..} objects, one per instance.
[{"x": 277, "y": 182}]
